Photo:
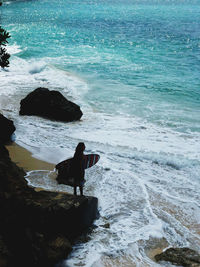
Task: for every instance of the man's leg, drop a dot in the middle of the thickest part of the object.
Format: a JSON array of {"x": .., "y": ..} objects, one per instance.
[
  {"x": 75, "y": 190},
  {"x": 81, "y": 190}
]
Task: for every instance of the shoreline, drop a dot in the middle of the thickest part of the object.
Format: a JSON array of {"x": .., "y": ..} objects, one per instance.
[{"x": 24, "y": 159}]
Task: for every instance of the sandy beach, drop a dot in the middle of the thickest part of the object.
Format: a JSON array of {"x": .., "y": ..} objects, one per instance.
[{"x": 23, "y": 158}]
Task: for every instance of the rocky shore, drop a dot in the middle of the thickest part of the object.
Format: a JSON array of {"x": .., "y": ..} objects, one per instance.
[{"x": 37, "y": 228}]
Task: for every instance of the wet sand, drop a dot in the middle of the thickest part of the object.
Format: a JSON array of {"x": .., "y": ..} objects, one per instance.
[{"x": 23, "y": 158}]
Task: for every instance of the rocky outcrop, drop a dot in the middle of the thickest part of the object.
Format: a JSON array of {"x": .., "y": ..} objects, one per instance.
[
  {"x": 49, "y": 104},
  {"x": 185, "y": 257},
  {"x": 37, "y": 228},
  {"x": 7, "y": 129}
]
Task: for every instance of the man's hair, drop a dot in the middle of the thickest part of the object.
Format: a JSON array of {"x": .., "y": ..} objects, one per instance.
[{"x": 80, "y": 147}]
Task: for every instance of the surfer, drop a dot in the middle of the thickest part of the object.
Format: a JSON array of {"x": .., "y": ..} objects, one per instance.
[
  {"x": 72, "y": 171},
  {"x": 77, "y": 170}
]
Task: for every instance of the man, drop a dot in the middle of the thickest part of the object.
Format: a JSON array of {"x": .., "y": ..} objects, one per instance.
[{"x": 77, "y": 170}]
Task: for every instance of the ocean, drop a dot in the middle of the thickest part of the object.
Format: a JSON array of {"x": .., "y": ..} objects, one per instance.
[{"x": 133, "y": 67}]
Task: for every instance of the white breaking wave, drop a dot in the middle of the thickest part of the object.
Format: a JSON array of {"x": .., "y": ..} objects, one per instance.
[
  {"x": 13, "y": 49},
  {"x": 23, "y": 76},
  {"x": 132, "y": 138}
]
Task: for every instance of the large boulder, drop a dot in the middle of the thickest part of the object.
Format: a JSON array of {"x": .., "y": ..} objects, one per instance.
[
  {"x": 37, "y": 228},
  {"x": 50, "y": 104},
  {"x": 185, "y": 257},
  {"x": 7, "y": 129}
]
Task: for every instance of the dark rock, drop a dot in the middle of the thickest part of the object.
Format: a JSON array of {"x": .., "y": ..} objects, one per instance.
[
  {"x": 50, "y": 104},
  {"x": 4, "y": 253},
  {"x": 37, "y": 228},
  {"x": 106, "y": 225},
  {"x": 7, "y": 129},
  {"x": 180, "y": 256},
  {"x": 12, "y": 180},
  {"x": 58, "y": 247}
]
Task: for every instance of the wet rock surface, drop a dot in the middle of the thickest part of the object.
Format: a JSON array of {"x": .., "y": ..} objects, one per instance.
[
  {"x": 50, "y": 104},
  {"x": 7, "y": 129},
  {"x": 185, "y": 257}
]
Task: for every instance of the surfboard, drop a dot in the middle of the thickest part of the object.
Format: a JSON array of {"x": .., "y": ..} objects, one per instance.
[
  {"x": 88, "y": 161},
  {"x": 64, "y": 166}
]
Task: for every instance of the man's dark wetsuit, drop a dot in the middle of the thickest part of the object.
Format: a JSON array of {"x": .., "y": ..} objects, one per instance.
[{"x": 77, "y": 170}]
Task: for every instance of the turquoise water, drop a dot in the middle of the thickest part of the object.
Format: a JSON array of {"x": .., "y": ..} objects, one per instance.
[
  {"x": 139, "y": 58},
  {"x": 133, "y": 67}
]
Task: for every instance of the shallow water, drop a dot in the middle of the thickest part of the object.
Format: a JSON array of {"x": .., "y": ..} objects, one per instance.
[{"x": 133, "y": 67}]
